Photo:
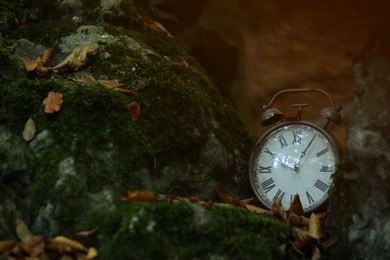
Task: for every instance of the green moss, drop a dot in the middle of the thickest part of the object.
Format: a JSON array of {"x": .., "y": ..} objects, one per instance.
[{"x": 186, "y": 231}]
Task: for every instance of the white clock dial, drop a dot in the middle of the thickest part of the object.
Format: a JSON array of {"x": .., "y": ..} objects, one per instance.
[{"x": 293, "y": 158}]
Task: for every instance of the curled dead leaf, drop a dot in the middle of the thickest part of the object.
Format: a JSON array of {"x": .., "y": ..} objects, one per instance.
[
  {"x": 181, "y": 64},
  {"x": 315, "y": 226},
  {"x": 139, "y": 195},
  {"x": 298, "y": 221},
  {"x": 36, "y": 68},
  {"x": 33, "y": 245},
  {"x": 47, "y": 55},
  {"x": 6, "y": 245},
  {"x": 225, "y": 197},
  {"x": 155, "y": 26},
  {"x": 109, "y": 83},
  {"x": 257, "y": 210},
  {"x": 92, "y": 253},
  {"x": 296, "y": 206},
  {"x": 63, "y": 245},
  {"x": 88, "y": 233},
  {"x": 277, "y": 209},
  {"x": 77, "y": 58},
  {"x": 22, "y": 231},
  {"x": 29, "y": 130},
  {"x": 135, "y": 110},
  {"x": 53, "y": 102}
]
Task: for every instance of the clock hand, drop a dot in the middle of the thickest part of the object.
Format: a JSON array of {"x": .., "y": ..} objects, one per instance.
[{"x": 304, "y": 152}]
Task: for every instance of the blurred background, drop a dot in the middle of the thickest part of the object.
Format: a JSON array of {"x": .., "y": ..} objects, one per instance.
[{"x": 255, "y": 48}]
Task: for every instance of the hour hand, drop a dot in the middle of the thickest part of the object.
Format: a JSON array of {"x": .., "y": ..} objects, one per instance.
[{"x": 304, "y": 151}]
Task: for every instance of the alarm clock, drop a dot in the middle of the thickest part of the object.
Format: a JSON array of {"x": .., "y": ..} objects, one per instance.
[{"x": 295, "y": 156}]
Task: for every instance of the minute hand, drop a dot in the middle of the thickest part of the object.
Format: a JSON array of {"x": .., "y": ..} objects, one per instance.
[{"x": 304, "y": 152}]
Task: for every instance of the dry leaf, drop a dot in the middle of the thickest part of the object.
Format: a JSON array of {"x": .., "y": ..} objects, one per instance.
[
  {"x": 139, "y": 195},
  {"x": 29, "y": 130},
  {"x": 53, "y": 102},
  {"x": 297, "y": 221},
  {"x": 277, "y": 209},
  {"x": 47, "y": 55},
  {"x": 135, "y": 110},
  {"x": 315, "y": 226},
  {"x": 296, "y": 206},
  {"x": 225, "y": 197},
  {"x": 22, "y": 231},
  {"x": 21, "y": 24},
  {"x": 109, "y": 83},
  {"x": 181, "y": 64},
  {"x": 127, "y": 91},
  {"x": 257, "y": 210},
  {"x": 28, "y": 65},
  {"x": 37, "y": 68},
  {"x": 64, "y": 244},
  {"x": 181, "y": 82},
  {"x": 92, "y": 253},
  {"x": 86, "y": 79},
  {"x": 316, "y": 255},
  {"x": 87, "y": 233},
  {"x": 303, "y": 243},
  {"x": 156, "y": 26},
  {"x": 330, "y": 241},
  {"x": 6, "y": 245},
  {"x": 77, "y": 58},
  {"x": 33, "y": 245}
]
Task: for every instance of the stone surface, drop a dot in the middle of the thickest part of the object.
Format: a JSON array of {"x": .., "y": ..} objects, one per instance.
[
  {"x": 360, "y": 208},
  {"x": 82, "y": 159}
]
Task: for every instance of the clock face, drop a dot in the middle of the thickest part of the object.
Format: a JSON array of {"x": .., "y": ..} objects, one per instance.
[{"x": 293, "y": 158}]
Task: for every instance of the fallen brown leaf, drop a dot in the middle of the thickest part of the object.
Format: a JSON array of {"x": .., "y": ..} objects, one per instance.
[
  {"x": 139, "y": 195},
  {"x": 277, "y": 209},
  {"x": 296, "y": 206},
  {"x": 53, "y": 102},
  {"x": 181, "y": 64},
  {"x": 225, "y": 197},
  {"x": 6, "y": 245},
  {"x": 65, "y": 245},
  {"x": 257, "y": 210},
  {"x": 315, "y": 226},
  {"x": 302, "y": 244},
  {"x": 47, "y": 55},
  {"x": 33, "y": 245},
  {"x": 92, "y": 253},
  {"x": 127, "y": 91},
  {"x": 29, "y": 130},
  {"x": 87, "y": 233},
  {"x": 135, "y": 110},
  {"x": 109, "y": 83},
  {"x": 77, "y": 58},
  {"x": 155, "y": 26},
  {"x": 22, "y": 231},
  {"x": 298, "y": 221},
  {"x": 36, "y": 68}
]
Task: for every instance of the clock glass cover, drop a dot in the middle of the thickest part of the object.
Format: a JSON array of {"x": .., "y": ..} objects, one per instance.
[{"x": 293, "y": 158}]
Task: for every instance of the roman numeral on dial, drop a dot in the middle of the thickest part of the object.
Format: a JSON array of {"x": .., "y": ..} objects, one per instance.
[
  {"x": 309, "y": 198},
  {"x": 268, "y": 185},
  {"x": 279, "y": 194},
  {"x": 322, "y": 152},
  {"x": 282, "y": 141},
  {"x": 266, "y": 169},
  {"x": 321, "y": 185},
  {"x": 297, "y": 137},
  {"x": 326, "y": 168},
  {"x": 269, "y": 152}
]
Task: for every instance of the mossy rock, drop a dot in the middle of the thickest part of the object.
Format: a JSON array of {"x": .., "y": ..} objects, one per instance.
[
  {"x": 73, "y": 172},
  {"x": 166, "y": 230}
]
